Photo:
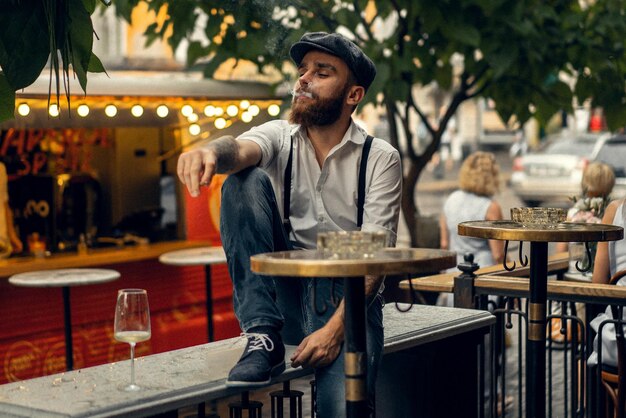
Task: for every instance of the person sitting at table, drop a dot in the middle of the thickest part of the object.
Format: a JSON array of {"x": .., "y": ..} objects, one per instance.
[
  {"x": 610, "y": 259},
  {"x": 306, "y": 172},
  {"x": 479, "y": 181},
  {"x": 596, "y": 185}
]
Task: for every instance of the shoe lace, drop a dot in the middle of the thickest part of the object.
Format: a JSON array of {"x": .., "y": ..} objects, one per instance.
[{"x": 258, "y": 341}]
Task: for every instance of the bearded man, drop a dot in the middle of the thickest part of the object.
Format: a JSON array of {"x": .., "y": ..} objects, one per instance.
[{"x": 287, "y": 182}]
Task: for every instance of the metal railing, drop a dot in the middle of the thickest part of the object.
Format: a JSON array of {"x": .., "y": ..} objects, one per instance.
[{"x": 573, "y": 388}]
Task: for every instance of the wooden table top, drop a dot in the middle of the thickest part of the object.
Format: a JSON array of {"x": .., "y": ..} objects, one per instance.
[
  {"x": 94, "y": 258},
  {"x": 563, "y": 232},
  {"x": 311, "y": 263}
]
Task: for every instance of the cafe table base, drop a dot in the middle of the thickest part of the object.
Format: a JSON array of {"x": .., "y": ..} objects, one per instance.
[
  {"x": 356, "y": 348},
  {"x": 536, "y": 340}
]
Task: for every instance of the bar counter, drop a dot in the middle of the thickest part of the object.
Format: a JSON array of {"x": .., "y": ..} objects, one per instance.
[{"x": 32, "y": 332}]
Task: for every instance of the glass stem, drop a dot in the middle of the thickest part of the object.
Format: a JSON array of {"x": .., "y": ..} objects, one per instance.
[{"x": 132, "y": 364}]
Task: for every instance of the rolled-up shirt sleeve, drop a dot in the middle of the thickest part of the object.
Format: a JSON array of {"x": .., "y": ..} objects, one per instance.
[
  {"x": 269, "y": 137},
  {"x": 382, "y": 198}
]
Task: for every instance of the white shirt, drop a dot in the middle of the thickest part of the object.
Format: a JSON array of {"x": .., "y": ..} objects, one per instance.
[{"x": 325, "y": 199}]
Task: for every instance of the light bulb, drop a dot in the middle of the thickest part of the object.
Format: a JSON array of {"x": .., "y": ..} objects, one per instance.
[
  {"x": 193, "y": 118},
  {"x": 194, "y": 129},
  {"x": 162, "y": 111},
  {"x": 220, "y": 123},
  {"x": 82, "y": 110},
  {"x": 23, "y": 109},
  {"x": 136, "y": 110},
  {"x": 254, "y": 110},
  {"x": 53, "y": 110},
  {"x": 232, "y": 110},
  {"x": 186, "y": 110},
  {"x": 218, "y": 111},
  {"x": 246, "y": 117},
  {"x": 209, "y": 110},
  {"x": 273, "y": 110},
  {"x": 110, "y": 110},
  {"x": 244, "y": 104}
]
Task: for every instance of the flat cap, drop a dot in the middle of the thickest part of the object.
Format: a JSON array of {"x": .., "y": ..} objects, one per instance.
[{"x": 361, "y": 65}]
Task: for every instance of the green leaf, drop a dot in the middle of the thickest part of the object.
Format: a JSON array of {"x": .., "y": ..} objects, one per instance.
[
  {"x": 81, "y": 40},
  {"x": 95, "y": 65},
  {"x": 7, "y": 99},
  {"x": 194, "y": 52},
  {"x": 24, "y": 42},
  {"x": 89, "y": 5}
]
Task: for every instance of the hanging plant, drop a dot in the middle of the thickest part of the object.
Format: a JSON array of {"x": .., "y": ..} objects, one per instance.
[{"x": 33, "y": 32}]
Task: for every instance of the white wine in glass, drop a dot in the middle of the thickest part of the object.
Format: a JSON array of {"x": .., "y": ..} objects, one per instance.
[{"x": 132, "y": 324}]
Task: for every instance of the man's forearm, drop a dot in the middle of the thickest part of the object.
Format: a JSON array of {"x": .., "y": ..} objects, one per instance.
[
  {"x": 226, "y": 150},
  {"x": 372, "y": 285}
]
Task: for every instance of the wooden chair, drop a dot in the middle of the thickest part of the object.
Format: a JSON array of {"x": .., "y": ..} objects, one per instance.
[{"x": 615, "y": 383}]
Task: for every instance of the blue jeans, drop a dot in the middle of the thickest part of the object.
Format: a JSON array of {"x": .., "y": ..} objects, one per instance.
[{"x": 250, "y": 224}]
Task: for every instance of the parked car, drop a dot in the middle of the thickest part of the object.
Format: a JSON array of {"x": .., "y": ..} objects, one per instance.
[{"x": 553, "y": 173}]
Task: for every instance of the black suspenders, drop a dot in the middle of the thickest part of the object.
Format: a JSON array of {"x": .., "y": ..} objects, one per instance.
[{"x": 361, "y": 186}]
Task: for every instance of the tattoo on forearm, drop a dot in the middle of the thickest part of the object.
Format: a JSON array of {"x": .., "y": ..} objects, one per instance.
[{"x": 227, "y": 151}]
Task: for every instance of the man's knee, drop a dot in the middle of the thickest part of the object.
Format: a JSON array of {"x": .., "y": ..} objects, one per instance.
[{"x": 247, "y": 181}]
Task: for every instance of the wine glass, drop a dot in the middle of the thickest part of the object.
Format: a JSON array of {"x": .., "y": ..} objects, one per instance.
[{"x": 132, "y": 324}]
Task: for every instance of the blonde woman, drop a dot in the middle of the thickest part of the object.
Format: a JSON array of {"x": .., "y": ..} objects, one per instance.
[{"x": 479, "y": 181}]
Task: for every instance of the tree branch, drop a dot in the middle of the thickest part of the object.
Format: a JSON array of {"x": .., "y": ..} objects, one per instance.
[{"x": 359, "y": 12}]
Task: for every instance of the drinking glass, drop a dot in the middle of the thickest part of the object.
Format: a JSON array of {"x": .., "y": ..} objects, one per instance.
[{"x": 132, "y": 324}]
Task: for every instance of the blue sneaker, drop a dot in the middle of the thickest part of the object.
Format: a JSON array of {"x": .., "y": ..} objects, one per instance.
[{"x": 263, "y": 358}]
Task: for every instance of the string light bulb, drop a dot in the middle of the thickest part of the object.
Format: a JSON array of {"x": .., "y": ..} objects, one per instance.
[
  {"x": 23, "y": 109},
  {"x": 209, "y": 110},
  {"x": 194, "y": 129},
  {"x": 218, "y": 111},
  {"x": 82, "y": 110},
  {"x": 193, "y": 118},
  {"x": 136, "y": 110},
  {"x": 162, "y": 111},
  {"x": 273, "y": 110},
  {"x": 53, "y": 110},
  {"x": 254, "y": 110},
  {"x": 232, "y": 111},
  {"x": 110, "y": 110},
  {"x": 220, "y": 123},
  {"x": 244, "y": 104},
  {"x": 246, "y": 117},
  {"x": 186, "y": 110}
]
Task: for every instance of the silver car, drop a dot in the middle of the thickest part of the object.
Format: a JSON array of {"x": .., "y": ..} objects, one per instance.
[{"x": 553, "y": 173}]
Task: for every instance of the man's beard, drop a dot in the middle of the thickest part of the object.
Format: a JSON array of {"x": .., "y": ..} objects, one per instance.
[{"x": 321, "y": 112}]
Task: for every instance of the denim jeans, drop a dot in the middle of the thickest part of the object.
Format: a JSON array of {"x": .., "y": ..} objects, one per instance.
[{"x": 250, "y": 224}]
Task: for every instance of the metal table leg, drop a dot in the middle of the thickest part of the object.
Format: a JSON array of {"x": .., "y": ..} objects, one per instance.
[
  {"x": 355, "y": 348},
  {"x": 69, "y": 349},
  {"x": 536, "y": 340},
  {"x": 209, "y": 301}
]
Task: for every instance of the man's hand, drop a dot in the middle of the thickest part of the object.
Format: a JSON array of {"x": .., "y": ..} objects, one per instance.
[
  {"x": 320, "y": 348},
  {"x": 196, "y": 168}
]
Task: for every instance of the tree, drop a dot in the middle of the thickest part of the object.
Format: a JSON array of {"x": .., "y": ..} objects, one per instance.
[
  {"x": 33, "y": 32},
  {"x": 530, "y": 56}
]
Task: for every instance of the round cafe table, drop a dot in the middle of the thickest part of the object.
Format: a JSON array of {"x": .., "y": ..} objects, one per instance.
[
  {"x": 539, "y": 239},
  {"x": 311, "y": 263},
  {"x": 65, "y": 278},
  {"x": 201, "y": 256}
]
